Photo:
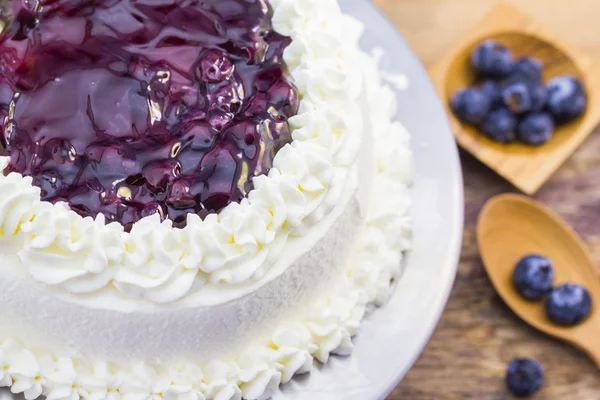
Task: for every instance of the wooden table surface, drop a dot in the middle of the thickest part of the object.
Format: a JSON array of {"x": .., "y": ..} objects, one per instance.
[{"x": 478, "y": 335}]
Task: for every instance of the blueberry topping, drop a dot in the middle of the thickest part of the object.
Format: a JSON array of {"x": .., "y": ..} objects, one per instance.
[
  {"x": 492, "y": 60},
  {"x": 536, "y": 128},
  {"x": 533, "y": 276},
  {"x": 493, "y": 92},
  {"x": 528, "y": 69},
  {"x": 524, "y": 377},
  {"x": 568, "y": 304},
  {"x": 470, "y": 105},
  {"x": 131, "y": 108},
  {"x": 567, "y": 99},
  {"x": 500, "y": 126}
]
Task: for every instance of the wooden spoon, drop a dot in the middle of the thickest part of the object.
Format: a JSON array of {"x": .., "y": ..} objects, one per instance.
[{"x": 512, "y": 226}]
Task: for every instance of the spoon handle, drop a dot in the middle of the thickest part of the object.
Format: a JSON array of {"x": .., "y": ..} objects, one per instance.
[{"x": 587, "y": 338}]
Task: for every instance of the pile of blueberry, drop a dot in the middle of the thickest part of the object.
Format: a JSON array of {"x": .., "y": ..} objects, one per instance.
[
  {"x": 566, "y": 305},
  {"x": 513, "y": 103}
]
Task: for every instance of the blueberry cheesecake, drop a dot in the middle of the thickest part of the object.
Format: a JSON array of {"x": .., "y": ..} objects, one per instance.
[{"x": 198, "y": 199}]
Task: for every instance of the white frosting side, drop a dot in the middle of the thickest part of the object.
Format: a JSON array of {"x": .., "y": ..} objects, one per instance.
[
  {"x": 105, "y": 327},
  {"x": 330, "y": 320},
  {"x": 160, "y": 264}
]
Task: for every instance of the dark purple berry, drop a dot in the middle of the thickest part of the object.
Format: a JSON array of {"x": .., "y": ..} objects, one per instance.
[
  {"x": 536, "y": 128},
  {"x": 539, "y": 96},
  {"x": 500, "y": 126},
  {"x": 567, "y": 98},
  {"x": 215, "y": 67},
  {"x": 492, "y": 60},
  {"x": 568, "y": 304},
  {"x": 521, "y": 96},
  {"x": 533, "y": 276},
  {"x": 528, "y": 69},
  {"x": 524, "y": 377},
  {"x": 493, "y": 91},
  {"x": 470, "y": 105},
  {"x": 517, "y": 97}
]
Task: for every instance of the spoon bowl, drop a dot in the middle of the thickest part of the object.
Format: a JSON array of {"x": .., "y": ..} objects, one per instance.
[{"x": 513, "y": 226}]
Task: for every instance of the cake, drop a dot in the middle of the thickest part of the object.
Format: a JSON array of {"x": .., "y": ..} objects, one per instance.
[{"x": 199, "y": 199}]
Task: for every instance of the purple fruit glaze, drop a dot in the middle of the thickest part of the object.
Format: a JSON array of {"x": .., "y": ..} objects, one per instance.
[{"x": 133, "y": 107}]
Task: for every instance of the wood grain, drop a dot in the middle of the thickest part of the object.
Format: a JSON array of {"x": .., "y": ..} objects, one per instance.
[
  {"x": 478, "y": 335},
  {"x": 526, "y": 167}
]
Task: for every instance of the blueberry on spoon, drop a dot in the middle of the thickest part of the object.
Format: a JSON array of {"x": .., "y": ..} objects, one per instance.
[
  {"x": 528, "y": 69},
  {"x": 517, "y": 97},
  {"x": 536, "y": 128},
  {"x": 567, "y": 99},
  {"x": 470, "y": 105},
  {"x": 493, "y": 92},
  {"x": 500, "y": 126},
  {"x": 522, "y": 97},
  {"x": 533, "y": 276},
  {"x": 568, "y": 304},
  {"x": 492, "y": 60}
]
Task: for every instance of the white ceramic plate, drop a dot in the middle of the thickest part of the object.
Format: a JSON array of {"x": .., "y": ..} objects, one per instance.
[{"x": 392, "y": 337}]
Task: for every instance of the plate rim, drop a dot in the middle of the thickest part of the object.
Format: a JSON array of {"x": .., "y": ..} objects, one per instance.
[{"x": 458, "y": 212}]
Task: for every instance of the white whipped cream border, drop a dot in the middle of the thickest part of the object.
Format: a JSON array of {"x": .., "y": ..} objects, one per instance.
[
  {"x": 258, "y": 372},
  {"x": 161, "y": 264}
]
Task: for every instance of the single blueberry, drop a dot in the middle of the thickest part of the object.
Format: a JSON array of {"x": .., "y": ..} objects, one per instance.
[
  {"x": 522, "y": 96},
  {"x": 493, "y": 91},
  {"x": 539, "y": 96},
  {"x": 536, "y": 128},
  {"x": 470, "y": 105},
  {"x": 528, "y": 69},
  {"x": 524, "y": 377},
  {"x": 567, "y": 98},
  {"x": 568, "y": 304},
  {"x": 517, "y": 97},
  {"x": 500, "y": 126},
  {"x": 533, "y": 276},
  {"x": 492, "y": 60}
]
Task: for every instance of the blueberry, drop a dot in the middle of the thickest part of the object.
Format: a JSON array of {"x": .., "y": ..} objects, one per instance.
[
  {"x": 567, "y": 99},
  {"x": 533, "y": 276},
  {"x": 527, "y": 68},
  {"x": 500, "y": 126},
  {"x": 492, "y": 60},
  {"x": 536, "y": 128},
  {"x": 517, "y": 98},
  {"x": 539, "y": 96},
  {"x": 215, "y": 67},
  {"x": 568, "y": 304},
  {"x": 524, "y": 377},
  {"x": 470, "y": 105},
  {"x": 493, "y": 92},
  {"x": 521, "y": 96},
  {"x": 50, "y": 184}
]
